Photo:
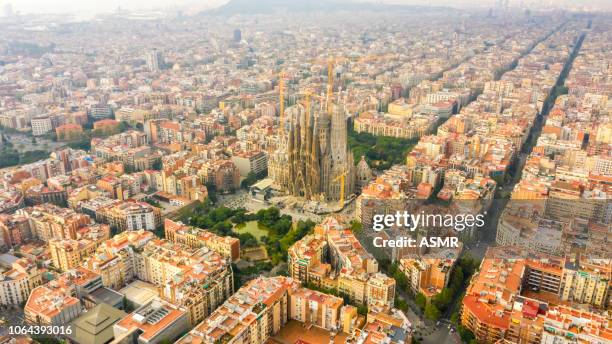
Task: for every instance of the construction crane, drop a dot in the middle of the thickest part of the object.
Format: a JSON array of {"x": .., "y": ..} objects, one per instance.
[
  {"x": 308, "y": 95},
  {"x": 331, "y": 64},
  {"x": 281, "y": 93},
  {"x": 342, "y": 178},
  {"x": 330, "y": 83}
]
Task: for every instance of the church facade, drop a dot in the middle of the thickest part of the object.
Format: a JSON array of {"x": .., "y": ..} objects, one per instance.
[{"x": 314, "y": 155}]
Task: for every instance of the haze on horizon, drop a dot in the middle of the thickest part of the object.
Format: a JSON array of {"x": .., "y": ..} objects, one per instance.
[{"x": 92, "y": 7}]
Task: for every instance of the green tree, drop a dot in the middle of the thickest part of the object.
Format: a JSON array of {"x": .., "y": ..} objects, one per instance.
[
  {"x": 400, "y": 279},
  {"x": 239, "y": 216},
  {"x": 432, "y": 312},
  {"x": 381, "y": 152},
  {"x": 222, "y": 228},
  {"x": 457, "y": 279},
  {"x": 443, "y": 299},
  {"x": 248, "y": 240},
  {"x": 466, "y": 335},
  {"x": 468, "y": 264},
  {"x": 420, "y": 301},
  {"x": 401, "y": 304},
  {"x": 83, "y": 143},
  {"x": 356, "y": 227},
  {"x": 455, "y": 318},
  {"x": 9, "y": 158},
  {"x": 249, "y": 180}
]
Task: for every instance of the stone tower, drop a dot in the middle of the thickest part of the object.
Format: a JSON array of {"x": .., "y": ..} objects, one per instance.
[{"x": 314, "y": 156}]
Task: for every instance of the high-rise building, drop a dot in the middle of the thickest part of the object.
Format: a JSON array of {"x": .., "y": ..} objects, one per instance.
[
  {"x": 237, "y": 35},
  {"x": 41, "y": 125},
  {"x": 7, "y": 10},
  {"x": 155, "y": 60}
]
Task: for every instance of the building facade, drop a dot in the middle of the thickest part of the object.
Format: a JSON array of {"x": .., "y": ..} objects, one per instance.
[{"x": 314, "y": 156}]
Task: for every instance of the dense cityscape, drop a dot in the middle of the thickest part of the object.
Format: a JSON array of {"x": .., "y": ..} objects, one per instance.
[{"x": 309, "y": 172}]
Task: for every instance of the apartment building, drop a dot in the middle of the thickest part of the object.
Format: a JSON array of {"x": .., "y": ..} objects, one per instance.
[
  {"x": 380, "y": 290},
  {"x": 534, "y": 321},
  {"x": 18, "y": 276},
  {"x": 429, "y": 274},
  {"x": 490, "y": 293},
  {"x": 246, "y": 162},
  {"x": 305, "y": 258},
  {"x": 129, "y": 148},
  {"x": 567, "y": 324},
  {"x": 383, "y": 327},
  {"x": 312, "y": 307},
  {"x": 198, "y": 278},
  {"x": 113, "y": 260},
  {"x": 178, "y": 183},
  {"x": 155, "y": 322},
  {"x": 15, "y": 229},
  {"x": 333, "y": 258},
  {"x": 69, "y": 253},
  {"x": 59, "y": 301},
  {"x": 178, "y": 232},
  {"x": 253, "y": 314},
  {"x": 379, "y": 197},
  {"x": 530, "y": 300},
  {"x": 41, "y": 125},
  {"x": 400, "y": 107},
  {"x": 223, "y": 174},
  {"x": 49, "y": 221},
  {"x": 587, "y": 282},
  {"x": 410, "y": 127},
  {"x": 130, "y": 216}
]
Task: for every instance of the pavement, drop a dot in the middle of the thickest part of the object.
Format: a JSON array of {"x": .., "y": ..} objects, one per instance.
[
  {"x": 236, "y": 200},
  {"x": 442, "y": 335},
  {"x": 10, "y": 315},
  {"x": 429, "y": 332},
  {"x": 241, "y": 199}
]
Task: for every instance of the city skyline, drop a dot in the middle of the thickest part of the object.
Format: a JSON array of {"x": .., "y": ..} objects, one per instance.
[{"x": 92, "y": 7}]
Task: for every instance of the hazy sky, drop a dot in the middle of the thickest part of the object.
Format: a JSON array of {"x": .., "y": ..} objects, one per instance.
[{"x": 97, "y": 6}]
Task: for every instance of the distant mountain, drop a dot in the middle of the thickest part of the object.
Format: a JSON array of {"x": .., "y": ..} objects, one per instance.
[{"x": 270, "y": 6}]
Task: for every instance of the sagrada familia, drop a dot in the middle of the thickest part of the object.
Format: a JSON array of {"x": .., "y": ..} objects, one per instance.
[{"x": 313, "y": 157}]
